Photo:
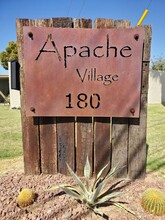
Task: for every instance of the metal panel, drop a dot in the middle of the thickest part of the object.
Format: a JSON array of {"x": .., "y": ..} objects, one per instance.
[{"x": 83, "y": 72}]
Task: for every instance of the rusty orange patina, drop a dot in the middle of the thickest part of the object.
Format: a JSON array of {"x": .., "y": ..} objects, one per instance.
[{"x": 83, "y": 72}]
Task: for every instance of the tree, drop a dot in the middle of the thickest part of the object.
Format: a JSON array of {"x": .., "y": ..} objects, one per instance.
[
  {"x": 158, "y": 64},
  {"x": 10, "y": 53}
]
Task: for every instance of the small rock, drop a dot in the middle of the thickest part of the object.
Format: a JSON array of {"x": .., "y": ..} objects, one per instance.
[
  {"x": 67, "y": 214},
  {"x": 49, "y": 211}
]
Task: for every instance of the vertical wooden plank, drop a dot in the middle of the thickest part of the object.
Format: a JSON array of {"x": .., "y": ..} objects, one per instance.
[
  {"x": 137, "y": 127},
  {"x": 103, "y": 23},
  {"x": 65, "y": 125},
  {"x": 84, "y": 144},
  {"x": 30, "y": 127},
  {"x": 122, "y": 23},
  {"x": 82, "y": 23},
  {"x": 62, "y": 22},
  {"x": 120, "y": 145},
  {"x": 84, "y": 132},
  {"x": 47, "y": 129},
  {"x": 48, "y": 145},
  {"x": 102, "y": 149},
  {"x": 119, "y": 134},
  {"x": 65, "y": 141},
  {"x": 137, "y": 143}
]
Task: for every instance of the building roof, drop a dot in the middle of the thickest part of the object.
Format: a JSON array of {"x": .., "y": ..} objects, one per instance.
[{"x": 4, "y": 76}]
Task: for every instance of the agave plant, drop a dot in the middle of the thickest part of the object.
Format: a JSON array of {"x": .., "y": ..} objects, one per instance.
[{"x": 92, "y": 196}]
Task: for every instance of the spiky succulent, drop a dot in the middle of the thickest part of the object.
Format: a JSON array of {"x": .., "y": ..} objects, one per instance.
[
  {"x": 153, "y": 201},
  {"x": 93, "y": 196},
  {"x": 26, "y": 197}
]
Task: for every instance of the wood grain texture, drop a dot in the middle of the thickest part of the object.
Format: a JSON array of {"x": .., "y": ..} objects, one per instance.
[
  {"x": 84, "y": 144},
  {"x": 84, "y": 126},
  {"x": 65, "y": 125},
  {"x": 102, "y": 148},
  {"x": 47, "y": 129},
  {"x": 137, "y": 143},
  {"x": 103, "y": 23},
  {"x": 120, "y": 146},
  {"x": 119, "y": 128},
  {"x": 82, "y": 23},
  {"x": 48, "y": 145},
  {"x": 50, "y": 142},
  {"x": 66, "y": 144},
  {"x": 122, "y": 24},
  {"x": 137, "y": 127},
  {"x": 30, "y": 125}
]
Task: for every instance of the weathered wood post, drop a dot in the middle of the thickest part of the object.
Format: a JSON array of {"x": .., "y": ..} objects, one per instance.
[
  {"x": 138, "y": 127},
  {"x": 50, "y": 142}
]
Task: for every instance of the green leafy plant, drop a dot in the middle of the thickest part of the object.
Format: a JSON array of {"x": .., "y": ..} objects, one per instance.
[
  {"x": 158, "y": 64},
  {"x": 92, "y": 196},
  {"x": 10, "y": 53},
  {"x": 153, "y": 201}
]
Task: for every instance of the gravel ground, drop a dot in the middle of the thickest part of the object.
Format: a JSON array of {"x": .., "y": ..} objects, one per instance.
[{"x": 58, "y": 206}]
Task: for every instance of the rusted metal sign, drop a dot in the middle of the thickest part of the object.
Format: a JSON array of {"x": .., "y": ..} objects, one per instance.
[{"x": 83, "y": 72}]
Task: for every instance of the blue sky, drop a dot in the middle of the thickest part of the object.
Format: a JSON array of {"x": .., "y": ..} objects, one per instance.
[{"x": 115, "y": 9}]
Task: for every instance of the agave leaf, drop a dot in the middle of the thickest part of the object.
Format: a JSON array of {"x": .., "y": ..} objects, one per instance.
[
  {"x": 101, "y": 171},
  {"x": 98, "y": 177},
  {"x": 98, "y": 212},
  {"x": 107, "y": 198},
  {"x": 95, "y": 193},
  {"x": 112, "y": 172},
  {"x": 58, "y": 187},
  {"x": 76, "y": 189},
  {"x": 87, "y": 170},
  {"x": 72, "y": 193},
  {"x": 101, "y": 185},
  {"x": 76, "y": 178},
  {"x": 109, "y": 175},
  {"x": 119, "y": 205}
]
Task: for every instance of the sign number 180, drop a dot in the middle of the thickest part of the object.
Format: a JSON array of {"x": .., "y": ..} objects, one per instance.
[{"x": 83, "y": 101}]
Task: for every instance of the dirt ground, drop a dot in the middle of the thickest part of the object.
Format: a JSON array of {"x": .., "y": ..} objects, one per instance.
[{"x": 58, "y": 206}]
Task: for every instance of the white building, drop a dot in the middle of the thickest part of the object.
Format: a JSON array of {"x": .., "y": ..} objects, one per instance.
[
  {"x": 156, "y": 92},
  {"x": 14, "y": 93}
]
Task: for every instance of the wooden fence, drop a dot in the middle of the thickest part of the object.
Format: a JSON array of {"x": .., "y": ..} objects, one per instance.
[{"x": 50, "y": 142}]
